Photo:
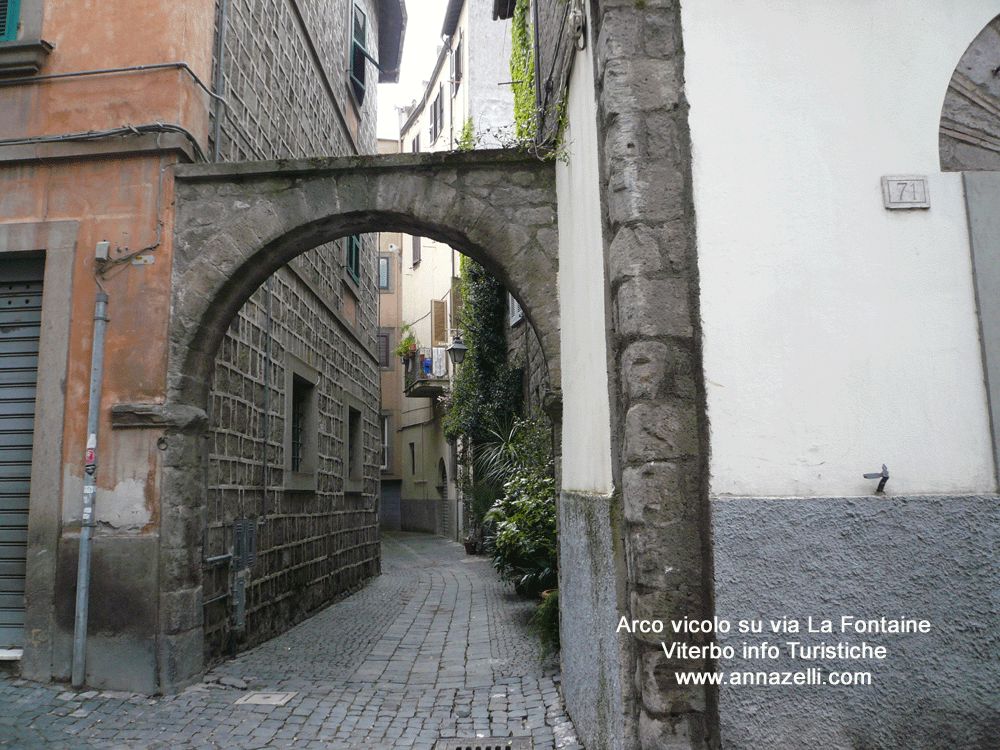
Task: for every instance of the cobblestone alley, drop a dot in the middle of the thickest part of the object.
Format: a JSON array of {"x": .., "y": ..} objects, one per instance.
[{"x": 436, "y": 647}]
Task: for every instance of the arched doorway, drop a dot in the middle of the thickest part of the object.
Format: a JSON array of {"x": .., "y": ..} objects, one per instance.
[{"x": 237, "y": 226}]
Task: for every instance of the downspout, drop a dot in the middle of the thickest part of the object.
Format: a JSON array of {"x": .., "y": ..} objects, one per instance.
[
  {"x": 267, "y": 399},
  {"x": 217, "y": 84},
  {"x": 89, "y": 487}
]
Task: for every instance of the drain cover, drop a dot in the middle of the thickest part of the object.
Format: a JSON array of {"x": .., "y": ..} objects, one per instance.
[
  {"x": 258, "y": 698},
  {"x": 484, "y": 743}
]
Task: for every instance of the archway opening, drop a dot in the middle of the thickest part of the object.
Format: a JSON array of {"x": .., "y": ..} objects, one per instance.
[{"x": 305, "y": 506}]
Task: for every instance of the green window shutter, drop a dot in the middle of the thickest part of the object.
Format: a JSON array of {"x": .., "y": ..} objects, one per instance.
[
  {"x": 354, "y": 257},
  {"x": 9, "y": 10},
  {"x": 359, "y": 53}
]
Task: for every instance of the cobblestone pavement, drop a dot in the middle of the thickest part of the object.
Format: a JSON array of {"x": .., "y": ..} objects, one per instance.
[{"x": 435, "y": 647}]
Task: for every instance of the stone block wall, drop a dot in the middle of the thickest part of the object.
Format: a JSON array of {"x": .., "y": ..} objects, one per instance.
[
  {"x": 661, "y": 436},
  {"x": 283, "y": 77},
  {"x": 524, "y": 350}
]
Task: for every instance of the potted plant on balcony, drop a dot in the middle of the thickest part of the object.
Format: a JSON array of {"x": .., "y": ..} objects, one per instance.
[{"x": 407, "y": 346}]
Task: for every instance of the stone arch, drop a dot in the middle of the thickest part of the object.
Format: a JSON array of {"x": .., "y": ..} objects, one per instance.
[
  {"x": 237, "y": 224},
  {"x": 969, "y": 133}
]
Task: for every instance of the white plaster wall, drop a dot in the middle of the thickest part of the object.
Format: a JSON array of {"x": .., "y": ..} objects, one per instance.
[
  {"x": 586, "y": 432},
  {"x": 490, "y": 96},
  {"x": 838, "y": 335}
]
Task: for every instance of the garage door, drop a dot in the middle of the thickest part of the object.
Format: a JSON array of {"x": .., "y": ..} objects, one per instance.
[{"x": 20, "y": 326}]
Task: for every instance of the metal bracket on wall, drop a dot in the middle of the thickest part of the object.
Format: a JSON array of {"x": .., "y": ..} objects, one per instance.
[{"x": 883, "y": 475}]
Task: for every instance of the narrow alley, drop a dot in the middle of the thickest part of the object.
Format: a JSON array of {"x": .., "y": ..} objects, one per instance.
[{"x": 436, "y": 647}]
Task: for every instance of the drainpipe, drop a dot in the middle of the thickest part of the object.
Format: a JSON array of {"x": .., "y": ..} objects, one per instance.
[
  {"x": 219, "y": 79},
  {"x": 89, "y": 486}
]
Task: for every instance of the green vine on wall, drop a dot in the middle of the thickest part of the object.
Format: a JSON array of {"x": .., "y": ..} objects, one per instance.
[
  {"x": 522, "y": 72},
  {"x": 487, "y": 392}
]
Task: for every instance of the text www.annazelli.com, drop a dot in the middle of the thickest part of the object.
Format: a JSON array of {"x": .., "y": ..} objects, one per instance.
[{"x": 811, "y": 676}]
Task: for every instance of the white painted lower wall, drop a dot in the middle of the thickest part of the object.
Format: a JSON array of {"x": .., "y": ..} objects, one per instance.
[{"x": 838, "y": 335}]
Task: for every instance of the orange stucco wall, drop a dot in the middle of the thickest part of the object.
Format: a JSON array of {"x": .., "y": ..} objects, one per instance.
[
  {"x": 114, "y": 200},
  {"x": 122, "y": 198}
]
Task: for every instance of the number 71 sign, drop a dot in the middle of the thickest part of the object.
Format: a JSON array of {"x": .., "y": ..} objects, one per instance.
[{"x": 905, "y": 192}]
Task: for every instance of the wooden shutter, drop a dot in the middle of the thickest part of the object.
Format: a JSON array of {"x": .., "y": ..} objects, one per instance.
[{"x": 439, "y": 322}]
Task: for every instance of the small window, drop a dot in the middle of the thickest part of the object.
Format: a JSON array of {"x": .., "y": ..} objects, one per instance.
[
  {"x": 359, "y": 53},
  {"x": 354, "y": 461},
  {"x": 383, "y": 273},
  {"x": 353, "y": 261},
  {"x": 300, "y": 405},
  {"x": 457, "y": 66},
  {"x": 415, "y": 146},
  {"x": 416, "y": 251},
  {"x": 301, "y": 425},
  {"x": 385, "y": 421},
  {"x": 413, "y": 458},
  {"x": 354, "y": 444},
  {"x": 384, "y": 353}
]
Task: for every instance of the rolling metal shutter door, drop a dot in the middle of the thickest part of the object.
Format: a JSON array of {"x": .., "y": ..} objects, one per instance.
[{"x": 20, "y": 326}]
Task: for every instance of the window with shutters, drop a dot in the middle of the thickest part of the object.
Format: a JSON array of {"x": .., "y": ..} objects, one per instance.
[
  {"x": 353, "y": 261},
  {"x": 439, "y": 322},
  {"x": 437, "y": 116},
  {"x": 21, "y": 22},
  {"x": 385, "y": 348},
  {"x": 9, "y": 11},
  {"x": 457, "y": 66},
  {"x": 359, "y": 53},
  {"x": 416, "y": 251}
]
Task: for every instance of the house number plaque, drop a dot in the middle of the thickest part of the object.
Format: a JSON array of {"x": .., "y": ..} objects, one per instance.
[{"x": 905, "y": 192}]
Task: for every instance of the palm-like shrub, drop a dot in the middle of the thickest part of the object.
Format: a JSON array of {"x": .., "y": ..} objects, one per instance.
[{"x": 522, "y": 523}]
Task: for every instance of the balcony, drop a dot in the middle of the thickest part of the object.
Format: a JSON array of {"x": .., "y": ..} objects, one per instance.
[{"x": 421, "y": 379}]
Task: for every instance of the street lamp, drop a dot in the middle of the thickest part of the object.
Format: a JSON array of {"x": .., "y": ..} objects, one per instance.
[{"x": 457, "y": 350}]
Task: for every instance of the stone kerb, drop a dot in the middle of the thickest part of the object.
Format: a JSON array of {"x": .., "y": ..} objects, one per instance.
[{"x": 238, "y": 223}]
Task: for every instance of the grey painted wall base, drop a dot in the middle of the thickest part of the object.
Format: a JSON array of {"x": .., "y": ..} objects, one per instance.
[
  {"x": 590, "y": 602},
  {"x": 390, "y": 508},
  {"x": 931, "y": 558}
]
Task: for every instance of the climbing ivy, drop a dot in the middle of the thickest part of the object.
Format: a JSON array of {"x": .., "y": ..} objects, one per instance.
[
  {"x": 522, "y": 72},
  {"x": 467, "y": 138},
  {"x": 487, "y": 391}
]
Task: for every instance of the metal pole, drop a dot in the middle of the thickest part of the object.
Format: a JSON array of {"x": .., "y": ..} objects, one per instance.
[{"x": 89, "y": 486}]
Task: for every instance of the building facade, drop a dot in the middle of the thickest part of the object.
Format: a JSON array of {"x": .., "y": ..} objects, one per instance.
[
  {"x": 89, "y": 135},
  {"x": 762, "y": 208},
  {"x": 390, "y": 325}
]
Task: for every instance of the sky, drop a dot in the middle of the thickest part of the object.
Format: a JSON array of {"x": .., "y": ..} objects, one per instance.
[{"x": 420, "y": 46}]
